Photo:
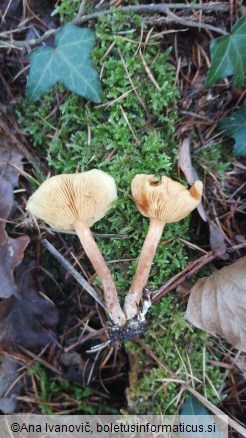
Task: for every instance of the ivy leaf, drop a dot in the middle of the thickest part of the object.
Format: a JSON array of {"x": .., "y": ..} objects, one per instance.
[
  {"x": 192, "y": 406},
  {"x": 68, "y": 63},
  {"x": 234, "y": 126},
  {"x": 190, "y": 414},
  {"x": 228, "y": 55}
]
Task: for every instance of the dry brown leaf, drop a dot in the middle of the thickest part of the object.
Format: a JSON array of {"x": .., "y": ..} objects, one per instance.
[
  {"x": 217, "y": 304},
  {"x": 11, "y": 250},
  {"x": 10, "y": 384},
  {"x": 28, "y": 319},
  {"x": 11, "y": 165},
  {"x": 188, "y": 170},
  {"x": 217, "y": 240}
]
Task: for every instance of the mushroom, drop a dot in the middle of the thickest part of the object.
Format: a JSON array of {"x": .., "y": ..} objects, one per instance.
[
  {"x": 163, "y": 201},
  {"x": 75, "y": 202}
]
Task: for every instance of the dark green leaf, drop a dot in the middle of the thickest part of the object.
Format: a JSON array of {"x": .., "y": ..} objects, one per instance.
[
  {"x": 190, "y": 416},
  {"x": 68, "y": 63},
  {"x": 228, "y": 55},
  {"x": 234, "y": 126},
  {"x": 192, "y": 406}
]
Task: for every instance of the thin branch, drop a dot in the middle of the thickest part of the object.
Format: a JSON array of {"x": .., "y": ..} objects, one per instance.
[
  {"x": 160, "y": 8},
  {"x": 81, "y": 10},
  {"x": 191, "y": 23},
  {"x": 74, "y": 273},
  {"x": 151, "y": 8},
  {"x": 191, "y": 269}
]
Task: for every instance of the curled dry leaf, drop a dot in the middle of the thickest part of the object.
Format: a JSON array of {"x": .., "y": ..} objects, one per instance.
[
  {"x": 26, "y": 318},
  {"x": 10, "y": 384},
  {"x": 29, "y": 318},
  {"x": 188, "y": 170},
  {"x": 217, "y": 304},
  {"x": 11, "y": 250},
  {"x": 217, "y": 240},
  {"x": 11, "y": 165}
]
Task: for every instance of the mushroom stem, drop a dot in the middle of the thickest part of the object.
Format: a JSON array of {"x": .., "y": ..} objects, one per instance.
[
  {"x": 93, "y": 253},
  {"x": 143, "y": 269}
]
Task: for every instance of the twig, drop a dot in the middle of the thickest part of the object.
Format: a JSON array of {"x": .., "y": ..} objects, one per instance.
[
  {"x": 86, "y": 338},
  {"x": 40, "y": 360},
  {"x": 151, "y": 8},
  {"x": 160, "y": 8},
  {"x": 187, "y": 272},
  {"x": 190, "y": 270},
  {"x": 73, "y": 272},
  {"x": 80, "y": 12},
  {"x": 190, "y": 23}
]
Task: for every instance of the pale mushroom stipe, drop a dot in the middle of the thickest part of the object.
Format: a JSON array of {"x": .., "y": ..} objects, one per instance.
[
  {"x": 75, "y": 202},
  {"x": 162, "y": 201}
]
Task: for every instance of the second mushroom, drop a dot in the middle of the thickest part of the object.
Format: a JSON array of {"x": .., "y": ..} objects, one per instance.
[{"x": 163, "y": 201}]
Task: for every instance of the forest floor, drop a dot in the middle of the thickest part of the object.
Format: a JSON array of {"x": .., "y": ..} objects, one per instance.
[{"x": 45, "y": 365}]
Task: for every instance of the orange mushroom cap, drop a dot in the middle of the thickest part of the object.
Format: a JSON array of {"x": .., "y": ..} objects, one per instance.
[{"x": 164, "y": 199}]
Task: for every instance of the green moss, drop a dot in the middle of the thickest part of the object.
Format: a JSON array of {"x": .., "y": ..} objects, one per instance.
[
  {"x": 182, "y": 348},
  {"x": 50, "y": 387},
  {"x": 80, "y": 136},
  {"x": 130, "y": 132},
  {"x": 67, "y": 10}
]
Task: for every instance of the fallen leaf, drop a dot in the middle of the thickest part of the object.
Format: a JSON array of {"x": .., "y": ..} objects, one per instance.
[
  {"x": 217, "y": 240},
  {"x": 13, "y": 136},
  {"x": 26, "y": 317},
  {"x": 11, "y": 165},
  {"x": 68, "y": 63},
  {"x": 29, "y": 318},
  {"x": 185, "y": 162},
  {"x": 217, "y": 304},
  {"x": 188, "y": 170},
  {"x": 10, "y": 385},
  {"x": 11, "y": 250},
  {"x": 240, "y": 363}
]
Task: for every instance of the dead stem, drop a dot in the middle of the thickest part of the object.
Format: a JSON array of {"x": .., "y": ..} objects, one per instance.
[{"x": 152, "y": 8}]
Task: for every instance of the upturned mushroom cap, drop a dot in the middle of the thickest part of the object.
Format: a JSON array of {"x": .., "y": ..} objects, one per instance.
[
  {"x": 63, "y": 200},
  {"x": 164, "y": 199}
]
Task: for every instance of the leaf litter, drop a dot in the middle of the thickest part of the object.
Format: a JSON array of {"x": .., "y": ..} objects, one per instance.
[
  {"x": 10, "y": 384},
  {"x": 217, "y": 304},
  {"x": 11, "y": 159},
  {"x": 11, "y": 250},
  {"x": 27, "y": 319}
]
